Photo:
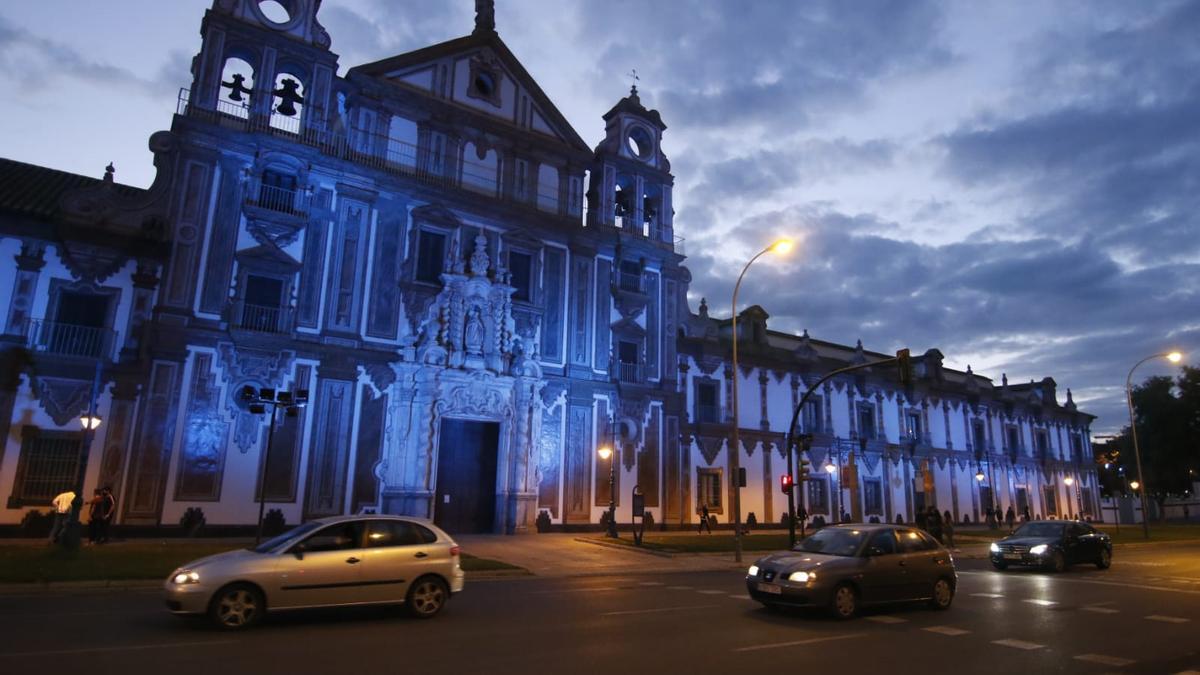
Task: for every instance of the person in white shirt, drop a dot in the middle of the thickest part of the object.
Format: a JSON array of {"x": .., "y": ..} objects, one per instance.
[{"x": 62, "y": 514}]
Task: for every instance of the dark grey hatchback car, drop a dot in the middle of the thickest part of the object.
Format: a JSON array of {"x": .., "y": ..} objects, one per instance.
[{"x": 843, "y": 567}]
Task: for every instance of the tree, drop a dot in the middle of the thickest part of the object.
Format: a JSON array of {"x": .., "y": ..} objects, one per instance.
[{"x": 1167, "y": 412}]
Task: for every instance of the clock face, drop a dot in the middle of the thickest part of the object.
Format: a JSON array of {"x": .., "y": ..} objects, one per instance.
[{"x": 640, "y": 143}]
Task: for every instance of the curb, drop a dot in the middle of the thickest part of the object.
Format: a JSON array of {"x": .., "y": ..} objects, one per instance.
[
  {"x": 99, "y": 585},
  {"x": 623, "y": 547}
]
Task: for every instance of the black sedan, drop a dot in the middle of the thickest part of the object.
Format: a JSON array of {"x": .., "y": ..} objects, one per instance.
[
  {"x": 844, "y": 566},
  {"x": 1053, "y": 545}
]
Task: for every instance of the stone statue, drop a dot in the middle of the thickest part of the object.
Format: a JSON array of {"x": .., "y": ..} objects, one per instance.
[{"x": 474, "y": 338}]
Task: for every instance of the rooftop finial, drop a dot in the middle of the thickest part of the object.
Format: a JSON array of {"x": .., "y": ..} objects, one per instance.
[
  {"x": 485, "y": 16},
  {"x": 633, "y": 80},
  {"x": 108, "y": 173}
]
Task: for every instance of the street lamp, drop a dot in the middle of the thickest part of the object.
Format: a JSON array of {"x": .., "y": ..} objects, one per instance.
[
  {"x": 1173, "y": 357},
  {"x": 606, "y": 454},
  {"x": 781, "y": 247},
  {"x": 979, "y": 475},
  {"x": 1069, "y": 481},
  {"x": 256, "y": 401}
]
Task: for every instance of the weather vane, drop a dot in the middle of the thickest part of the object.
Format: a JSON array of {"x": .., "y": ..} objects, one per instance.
[{"x": 633, "y": 80}]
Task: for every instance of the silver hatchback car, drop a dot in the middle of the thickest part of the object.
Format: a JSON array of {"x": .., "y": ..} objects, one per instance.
[{"x": 345, "y": 560}]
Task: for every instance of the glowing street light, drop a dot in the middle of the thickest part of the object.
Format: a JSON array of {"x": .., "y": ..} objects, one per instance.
[
  {"x": 1173, "y": 357},
  {"x": 979, "y": 475},
  {"x": 781, "y": 246},
  {"x": 606, "y": 454},
  {"x": 1068, "y": 481},
  {"x": 90, "y": 421}
]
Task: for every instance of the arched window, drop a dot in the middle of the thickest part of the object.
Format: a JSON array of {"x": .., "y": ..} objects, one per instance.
[
  {"x": 287, "y": 103},
  {"x": 237, "y": 86}
]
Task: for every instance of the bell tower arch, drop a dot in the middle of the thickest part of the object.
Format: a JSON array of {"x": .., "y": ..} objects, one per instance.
[
  {"x": 631, "y": 177},
  {"x": 266, "y": 60}
]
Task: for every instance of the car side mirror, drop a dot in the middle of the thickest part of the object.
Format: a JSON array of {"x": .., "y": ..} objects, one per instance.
[{"x": 298, "y": 551}]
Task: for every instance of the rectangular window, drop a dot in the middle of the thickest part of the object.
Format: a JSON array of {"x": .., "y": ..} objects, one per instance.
[
  {"x": 631, "y": 276},
  {"x": 1076, "y": 447},
  {"x": 708, "y": 489},
  {"x": 866, "y": 420},
  {"x": 431, "y": 254},
  {"x": 277, "y": 192},
  {"x": 814, "y": 420},
  {"x": 1043, "y": 443},
  {"x": 818, "y": 495},
  {"x": 1051, "y": 501},
  {"x": 48, "y": 465},
  {"x": 1014, "y": 438},
  {"x": 520, "y": 265},
  {"x": 261, "y": 304},
  {"x": 80, "y": 326},
  {"x": 873, "y": 496},
  {"x": 980, "y": 434},
  {"x": 708, "y": 410},
  {"x": 912, "y": 425},
  {"x": 627, "y": 357}
]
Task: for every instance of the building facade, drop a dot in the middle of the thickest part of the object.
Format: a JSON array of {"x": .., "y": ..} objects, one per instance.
[{"x": 473, "y": 299}]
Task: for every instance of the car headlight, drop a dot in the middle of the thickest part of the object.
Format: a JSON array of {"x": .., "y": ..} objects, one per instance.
[
  {"x": 1038, "y": 550},
  {"x": 802, "y": 577},
  {"x": 753, "y": 571},
  {"x": 185, "y": 577},
  {"x": 994, "y": 548}
]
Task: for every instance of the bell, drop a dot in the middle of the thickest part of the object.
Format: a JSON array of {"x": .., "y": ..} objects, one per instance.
[
  {"x": 289, "y": 96},
  {"x": 237, "y": 88}
]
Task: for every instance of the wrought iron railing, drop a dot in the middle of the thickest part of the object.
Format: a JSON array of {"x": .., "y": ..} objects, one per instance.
[
  {"x": 283, "y": 200},
  {"x": 631, "y": 282},
  {"x": 629, "y": 372},
  {"x": 262, "y": 318},
  {"x": 708, "y": 414},
  {"x": 66, "y": 339}
]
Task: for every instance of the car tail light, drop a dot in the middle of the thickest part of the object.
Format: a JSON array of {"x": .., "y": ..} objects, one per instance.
[{"x": 455, "y": 550}]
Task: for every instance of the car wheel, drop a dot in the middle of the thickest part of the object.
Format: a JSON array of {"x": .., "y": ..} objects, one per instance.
[
  {"x": 943, "y": 594},
  {"x": 237, "y": 607},
  {"x": 426, "y": 597},
  {"x": 1105, "y": 559},
  {"x": 1000, "y": 565},
  {"x": 844, "y": 602},
  {"x": 1057, "y": 563}
]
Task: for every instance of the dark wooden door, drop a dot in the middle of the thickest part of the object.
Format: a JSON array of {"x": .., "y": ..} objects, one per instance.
[{"x": 465, "y": 501}]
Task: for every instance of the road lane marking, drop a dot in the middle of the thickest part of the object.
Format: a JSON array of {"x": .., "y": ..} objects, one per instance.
[
  {"x": 1039, "y": 601},
  {"x": 1019, "y": 644},
  {"x": 1167, "y": 619},
  {"x": 127, "y": 648},
  {"x": 1100, "y": 610},
  {"x": 946, "y": 630},
  {"x": 986, "y": 595},
  {"x": 797, "y": 643},
  {"x": 595, "y": 589},
  {"x": 1104, "y": 660},
  {"x": 1140, "y": 587},
  {"x": 656, "y": 610},
  {"x": 711, "y": 592},
  {"x": 651, "y": 583},
  {"x": 679, "y": 588},
  {"x": 740, "y": 597},
  {"x": 883, "y": 618}
]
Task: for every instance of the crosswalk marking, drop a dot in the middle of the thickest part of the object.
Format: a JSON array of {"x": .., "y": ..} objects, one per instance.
[
  {"x": 883, "y": 618},
  {"x": 946, "y": 630},
  {"x": 1100, "y": 610},
  {"x": 1039, "y": 601},
  {"x": 740, "y": 596},
  {"x": 655, "y": 610},
  {"x": 1104, "y": 660},
  {"x": 1018, "y": 644},
  {"x": 651, "y": 583},
  {"x": 986, "y": 595},
  {"x": 711, "y": 592},
  {"x": 796, "y": 643},
  {"x": 1167, "y": 619}
]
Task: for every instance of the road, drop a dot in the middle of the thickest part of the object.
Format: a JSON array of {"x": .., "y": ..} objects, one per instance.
[{"x": 1141, "y": 616}]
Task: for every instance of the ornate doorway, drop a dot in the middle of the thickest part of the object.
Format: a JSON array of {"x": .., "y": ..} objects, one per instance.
[{"x": 465, "y": 501}]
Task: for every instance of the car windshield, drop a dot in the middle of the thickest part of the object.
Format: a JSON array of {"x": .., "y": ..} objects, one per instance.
[
  {"x": 273, "y": 543},
  {"x": 1039, "y": 530},
  {"x": 833, "y": 541}
]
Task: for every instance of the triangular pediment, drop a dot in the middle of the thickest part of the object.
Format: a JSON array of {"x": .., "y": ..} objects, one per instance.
[{"x": 480, "y": 73}]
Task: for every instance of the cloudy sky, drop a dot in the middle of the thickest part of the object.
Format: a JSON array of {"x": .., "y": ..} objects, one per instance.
[{"x": 1014, "y": 183}]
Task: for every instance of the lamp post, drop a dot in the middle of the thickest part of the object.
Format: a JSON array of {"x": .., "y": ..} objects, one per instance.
[
  {"x": 1069, "y": 481},
  {"x": 606, "y": 454},
  {"x": 257, "y": 401},
  {"x": 837, "y": 502},
  {"x": 1173, "y": 357},
  {"x": 781, "y": 247}
]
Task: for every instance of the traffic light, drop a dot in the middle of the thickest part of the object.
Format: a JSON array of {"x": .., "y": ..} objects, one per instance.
[
  {"x": 785, "y": 483},
  {"x": 803, "y": 469},
  {"x": 904, "y": 365}
]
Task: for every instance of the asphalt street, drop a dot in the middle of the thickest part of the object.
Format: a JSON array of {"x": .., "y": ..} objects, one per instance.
[{"x": 1141, "y": 616}]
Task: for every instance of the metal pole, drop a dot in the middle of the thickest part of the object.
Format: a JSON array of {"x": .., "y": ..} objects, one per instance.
[
  {"x": 262, "y": 479},
  {"x": 1137, "y": 453}
]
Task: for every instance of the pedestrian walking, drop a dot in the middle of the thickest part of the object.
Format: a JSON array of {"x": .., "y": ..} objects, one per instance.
[
  {"x": 948, "y": 530},
  {"x": 1026, "y": 515},
  {"x": 1010, "y": 518},
  {"x": 108, "y": 512},
  {"x": 95, "y": 515},
  {"x": 802, "y": 516},
  {"x": 62, "y": 514},
  {"x": 935, "y": 523},
  {"x": 991, "y": 518},
  {"x": 704, "y": 520}
]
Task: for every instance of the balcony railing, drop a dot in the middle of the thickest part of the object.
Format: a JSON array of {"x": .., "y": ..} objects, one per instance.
[
  {"x": 65, "y": 339},
  {"x": 629, "y": 372},
  {"x": 384, "y": 153},
  {"x": 708, "y": 414},
  {"x": 262, "y": 318},
  {"x": 631, "y": 282},
  {"x": 283, "y": 200}
]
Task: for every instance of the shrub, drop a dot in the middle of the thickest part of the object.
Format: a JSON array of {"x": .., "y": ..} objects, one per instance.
[
  {"x": 192, "y": 521},
  {"x": 37, "y": 524},
  {"x": 274, "y": 523},
  {"x": 543, "y": 521}
]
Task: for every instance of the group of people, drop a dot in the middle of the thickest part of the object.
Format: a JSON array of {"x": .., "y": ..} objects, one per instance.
[
  {"x": 941, "y": 526},
  {"x": 101, "y": 509},
  {"x": 1010, "y": 517}
]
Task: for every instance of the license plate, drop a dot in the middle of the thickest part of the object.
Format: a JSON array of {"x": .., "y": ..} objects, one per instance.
[
  {"x": 1012, "y": 556},
  {"x": 770, "y": 588}
]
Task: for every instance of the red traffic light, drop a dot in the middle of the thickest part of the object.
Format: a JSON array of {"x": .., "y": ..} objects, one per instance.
[{"x": 785, "y": 483}]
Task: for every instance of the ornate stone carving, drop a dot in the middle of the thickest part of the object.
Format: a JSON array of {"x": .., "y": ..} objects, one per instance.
[
  {"x": 63, "y": 400},
  {"x": 243, "y": 366}
]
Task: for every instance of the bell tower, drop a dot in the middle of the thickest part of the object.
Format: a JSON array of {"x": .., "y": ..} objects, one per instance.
[
  {"x": 266, "y": 60},
  {"x": 631, "y": 177}
]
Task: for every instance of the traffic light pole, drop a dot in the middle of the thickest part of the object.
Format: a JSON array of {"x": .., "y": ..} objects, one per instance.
[{"x": 901, "y": 358}]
